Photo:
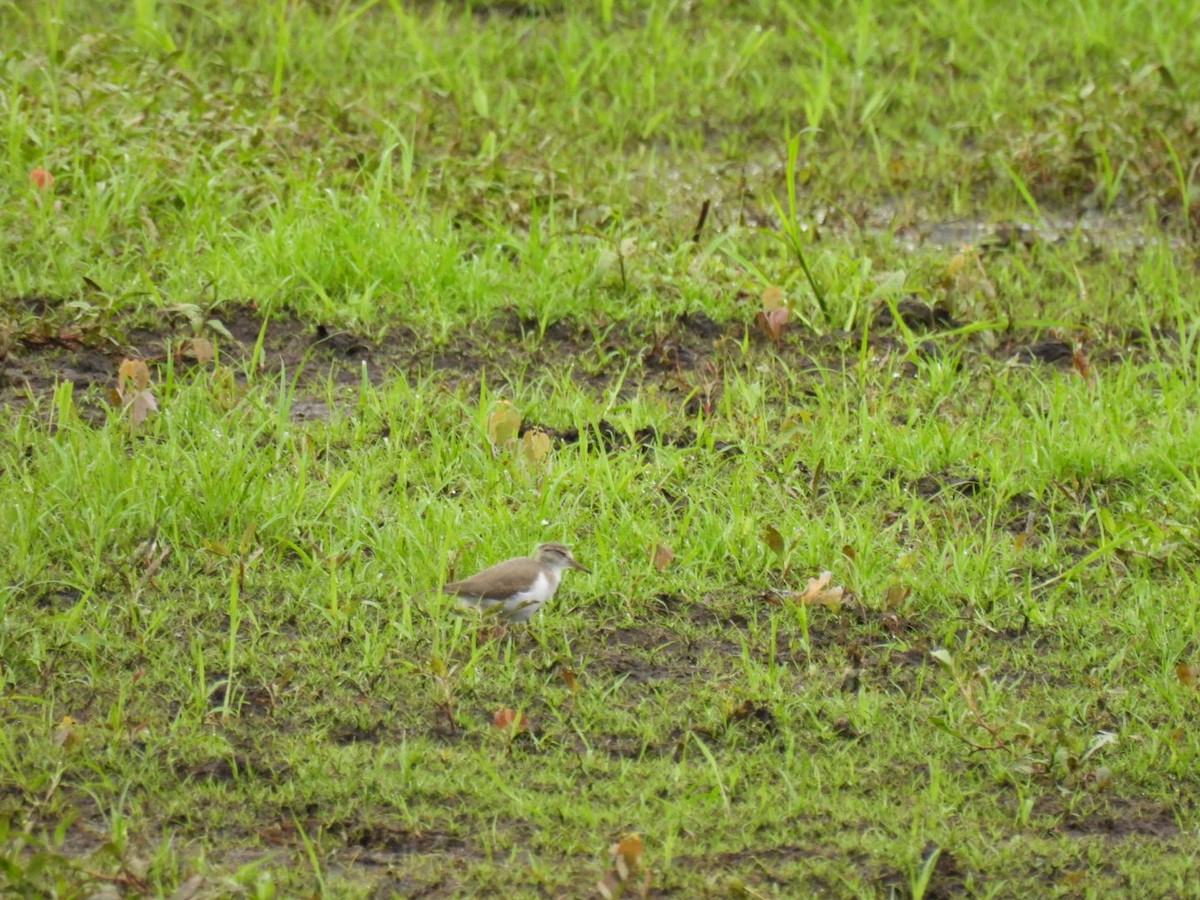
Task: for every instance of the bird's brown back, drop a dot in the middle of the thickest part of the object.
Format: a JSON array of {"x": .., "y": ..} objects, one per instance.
[{"x": 503, "y": 580}]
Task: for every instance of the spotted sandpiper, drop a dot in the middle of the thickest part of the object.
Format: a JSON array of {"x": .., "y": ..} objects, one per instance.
[{"x": 515, "y": 589}]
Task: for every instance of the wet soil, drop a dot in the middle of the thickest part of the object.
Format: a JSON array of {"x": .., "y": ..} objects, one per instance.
[{"x": 683, "y": 356}]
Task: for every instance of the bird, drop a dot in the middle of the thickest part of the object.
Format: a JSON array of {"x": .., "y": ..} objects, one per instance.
[{"x": 515, "y": 589}]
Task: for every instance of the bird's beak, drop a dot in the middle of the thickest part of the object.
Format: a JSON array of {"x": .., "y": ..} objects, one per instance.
[{"x": 576, "y": 564}]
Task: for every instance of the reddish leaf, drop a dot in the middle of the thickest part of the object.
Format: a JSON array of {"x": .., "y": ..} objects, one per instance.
[
  {"x": 40, "y": 178},
  {"x": 1080, "y": 361},
  {"x": 509, "y": 718},
  {"x": 771, "y": 322}
]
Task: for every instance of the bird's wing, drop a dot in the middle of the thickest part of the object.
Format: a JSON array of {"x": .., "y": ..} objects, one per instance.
[{"x": 497, "y": 582}]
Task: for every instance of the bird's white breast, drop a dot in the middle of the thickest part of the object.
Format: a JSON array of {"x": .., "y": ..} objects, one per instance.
[{"x": 521, "y": 606}]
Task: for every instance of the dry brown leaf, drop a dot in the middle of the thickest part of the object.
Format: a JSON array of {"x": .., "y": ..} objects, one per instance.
[
  {"x": 142, "y": 404},
  {"x": 199, "y": 349},
  {"x": 610, "y": 886},
  {"x": 1186, "y": 674},
  {"x": 535, "y": 446},
  {"x": 819, "y": 593},
  {"x": 133, "y": 372},
  {"x": 662, "y": 556},
  {"x": 569, "y": 679},
  {"x": 133, "y": 390}
]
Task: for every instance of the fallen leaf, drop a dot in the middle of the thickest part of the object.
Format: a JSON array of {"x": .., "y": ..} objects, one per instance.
[
  {"x": 959, "y": 261},
  {"x": 772, "y": 297},
  {"x": 509, "y": 718},
  {"x": 141, "y": 406},
  {"x": 1186, "y": 674},
  {"x": 627, "y": 860},
  {"x": 1080, "y": 361},
  {"x": 773, "y": 539},
  {"x": 661, "y": 556},
  {"x": 849, "y": 552},
  {"x": 535, "y": 446},
  {"x": 569, "y": 679},
  {"x": 503, "y": 423},
  {"x": 610, "y": 886},
  {"x": 895, "y": 594},
  {"x": 943, "y": 658},
  {"x": 133, "y": 372},
  {"x": 40, "y": 178},
  {"x": 771, "y": 322},
  {"x": 67, "y": 735},
  {"x": 133, "y": 390},
  {"x": 819, "y": 593},
  {"x": 199, "y": 349},
  {"x": 627, "y": 855}
]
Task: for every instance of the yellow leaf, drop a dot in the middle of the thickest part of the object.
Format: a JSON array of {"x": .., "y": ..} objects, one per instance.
[
  {"x": 503, "y": 423},
  {"x": 135, "y": 372},
  {"x": 535, "y": 446},
  {"x": 957, "y": 263},
  {"x": 772, "y": 297}
]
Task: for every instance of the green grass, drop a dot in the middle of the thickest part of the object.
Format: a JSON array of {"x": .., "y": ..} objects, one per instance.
[{"x": 225, "y": 666}]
